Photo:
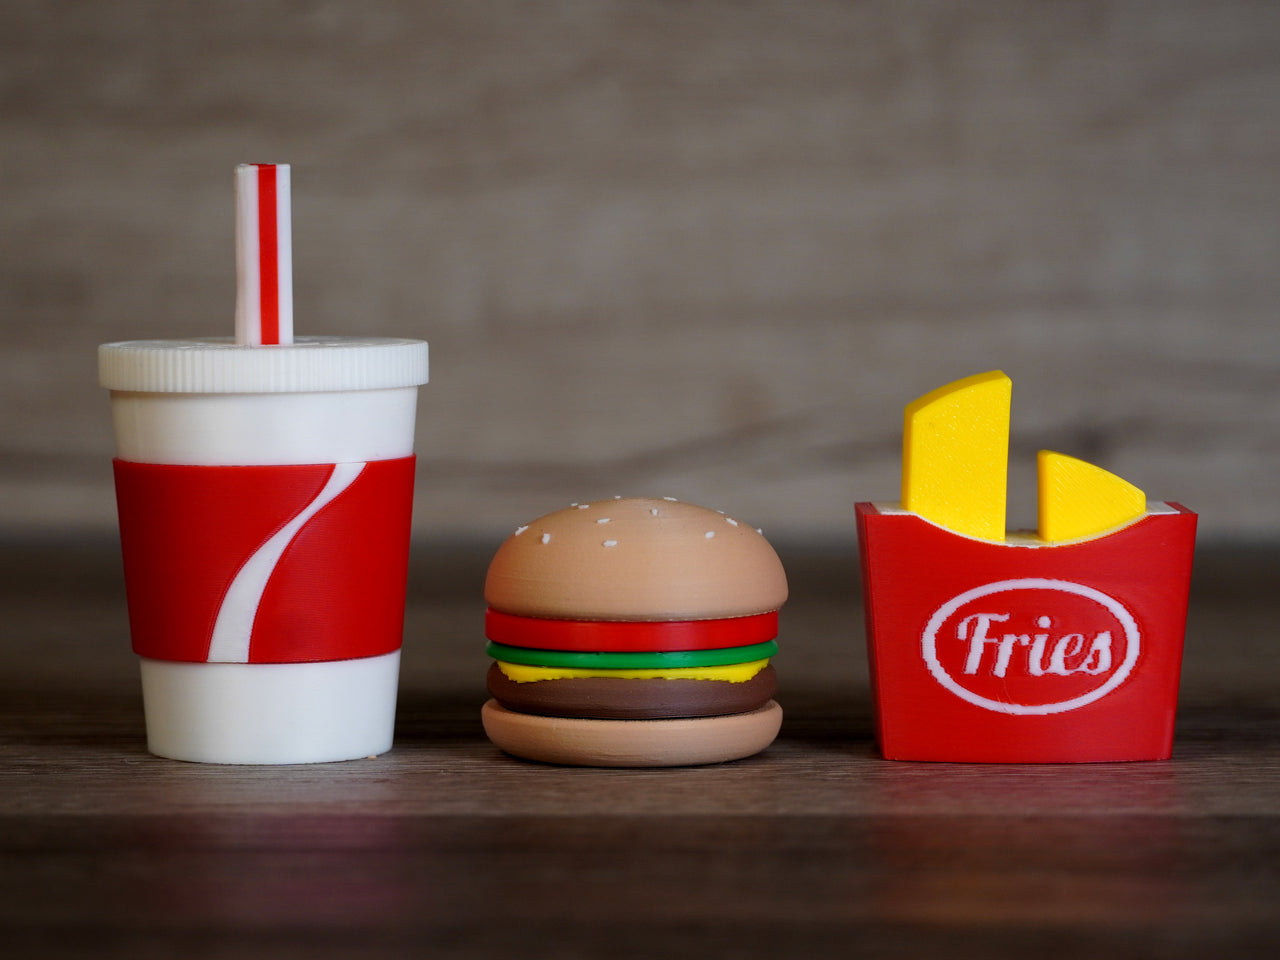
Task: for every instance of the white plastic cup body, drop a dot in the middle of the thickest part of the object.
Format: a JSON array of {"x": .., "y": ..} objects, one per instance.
[
  {"x": 265, "y": 713},
  {"x": 230, "y": 429}
]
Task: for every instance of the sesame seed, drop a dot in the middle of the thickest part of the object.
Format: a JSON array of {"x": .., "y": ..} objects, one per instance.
[
  {"x": 653, "y": 511},
  {"x": 671, "y": 499},
  {"x": 519, "y": 530},
  {"x": 546, "y": 538},
  {"x": 710, "y": 534},
  {"x": 732, "y": 522},
  {"x": 605, "y": 520},
  {"x": 611, "y": 543}
]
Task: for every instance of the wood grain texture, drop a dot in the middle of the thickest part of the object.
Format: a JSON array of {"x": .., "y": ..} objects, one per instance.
[
  {"x": 706, "y": 250},
  {"x": 815, "y": 848}
]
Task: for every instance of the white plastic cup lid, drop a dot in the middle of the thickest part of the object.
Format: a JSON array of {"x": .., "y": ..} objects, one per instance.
[{"x": 219, "y": 365}]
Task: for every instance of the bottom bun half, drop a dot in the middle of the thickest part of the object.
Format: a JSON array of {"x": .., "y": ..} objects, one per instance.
[{"x": 632, "y": 743}]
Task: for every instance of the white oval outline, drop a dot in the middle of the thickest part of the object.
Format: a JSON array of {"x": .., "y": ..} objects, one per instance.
[{"x": 929, "y": 651}]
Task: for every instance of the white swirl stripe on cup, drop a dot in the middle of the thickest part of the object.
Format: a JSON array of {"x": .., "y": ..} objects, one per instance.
[{"x": 233, "y": 628}]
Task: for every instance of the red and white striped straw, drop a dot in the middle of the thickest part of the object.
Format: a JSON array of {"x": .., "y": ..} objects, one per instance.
[{"x": 264, "y": 254}]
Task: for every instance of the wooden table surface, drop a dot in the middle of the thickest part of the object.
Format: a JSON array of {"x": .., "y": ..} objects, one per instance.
[{"x": 445, "y": 847}]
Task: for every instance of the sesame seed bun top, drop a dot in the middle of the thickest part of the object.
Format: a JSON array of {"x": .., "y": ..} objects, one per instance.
[{"x": 635, "y": 559}]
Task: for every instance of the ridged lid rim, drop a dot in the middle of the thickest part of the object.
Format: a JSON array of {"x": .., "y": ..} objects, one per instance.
[{"x": 219, "y": 365}]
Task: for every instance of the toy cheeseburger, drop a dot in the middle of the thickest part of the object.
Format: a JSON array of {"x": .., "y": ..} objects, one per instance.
[
  {"x": 1055, "y": 646},
  {"x": 633, "y": 633}
]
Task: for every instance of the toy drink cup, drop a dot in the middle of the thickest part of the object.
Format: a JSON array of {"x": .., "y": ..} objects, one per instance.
[
  {"x": 265, "y": 490},
  {"x": 1061, "y": 645},
  {"x": 264, "y": 501}
]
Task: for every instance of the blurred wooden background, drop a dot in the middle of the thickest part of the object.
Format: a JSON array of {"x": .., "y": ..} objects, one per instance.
[{"x": 706, "y": 249}]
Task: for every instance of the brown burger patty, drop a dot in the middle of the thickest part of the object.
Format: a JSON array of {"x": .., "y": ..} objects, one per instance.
[{"x": 606, "y": 698}]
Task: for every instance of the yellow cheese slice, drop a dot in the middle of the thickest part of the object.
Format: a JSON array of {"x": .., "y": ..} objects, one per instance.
[
  {"x": 955, "y": 455},
  {"x": 1079, "y": 500},
  {"x": 734, "y": 672}
]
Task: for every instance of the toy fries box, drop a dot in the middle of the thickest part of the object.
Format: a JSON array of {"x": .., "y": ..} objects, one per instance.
[{"x": 1063, "y": 645}]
